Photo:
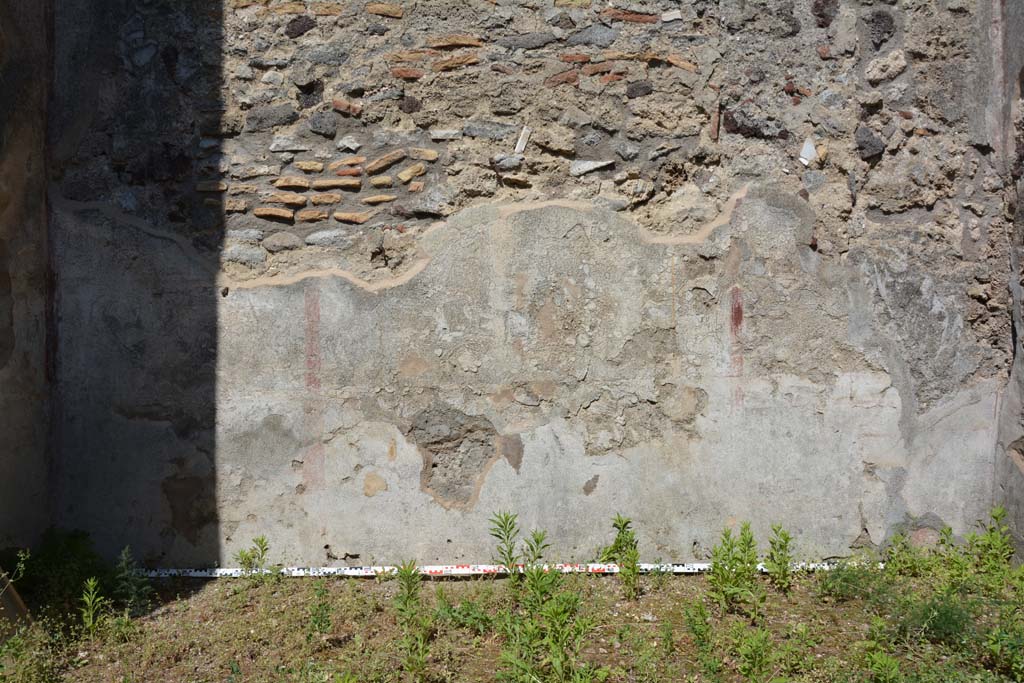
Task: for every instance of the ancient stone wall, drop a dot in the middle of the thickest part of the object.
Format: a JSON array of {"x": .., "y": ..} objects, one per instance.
[
  {"x": 354, "y": 275},
  {"x": 24, "y": 44}
]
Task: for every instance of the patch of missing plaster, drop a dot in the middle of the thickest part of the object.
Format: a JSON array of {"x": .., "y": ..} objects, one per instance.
[
  {"x": 458, "y": 451},
  {"x": 591, "y": 484},
  {"x": 1015, "y": 451},
  {"x": 373, "y": 484}
]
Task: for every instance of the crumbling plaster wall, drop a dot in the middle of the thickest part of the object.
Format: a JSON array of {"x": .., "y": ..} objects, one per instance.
[
  {"x": 413, "y": 263},
  {"x": 24, "y": 59}
]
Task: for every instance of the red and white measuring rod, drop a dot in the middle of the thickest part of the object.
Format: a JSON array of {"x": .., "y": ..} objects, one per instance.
[{"x": 454, "y": 570}]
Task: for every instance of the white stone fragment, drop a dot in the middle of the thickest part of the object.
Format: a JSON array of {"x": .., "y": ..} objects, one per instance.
[
  {"x": 445, "y": 134},
  {"x": 349, "y": 143},
  {"x": 578, "y": 168},
  {"x": 674, "y": 15},
  {"x": 524, "y": 137},
  {"x": 808, "y": 154}
]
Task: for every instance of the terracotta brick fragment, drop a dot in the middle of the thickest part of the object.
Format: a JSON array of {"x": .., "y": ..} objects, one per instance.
[
  {"x": 570, "y": 77},
  {"x": 454, "y": 40},
  {"x": 679, "y": 62},
  {"x": 612, "y": 55},
  {"x": 242, "y": 188},
  {"x": 575, "y": 58},
  {"x": 338, "y": 184},
  {"x": 235, "y": 205},
  {"x": 349, "y": 107},
  {"x": 611, "y": 78},
  {"x": 211, "y": 186},
  {"x": 358, "y": 218},
  {"x": 423, "y": 154},
  {"x": 414, "y": 171},
  {"x": 325, "y": 198},
  {"x": 289, "y": 8},
  {"x": 384, "y": 9},
  {"x": 327, "y": 9},
  {"x": 273, "y": 213},
  {"x": 407, "y": 73},
  {"x": 349, "y": 171},
  {"x": 824, "y": 52},
  {"x": 288, "y": 198},
  {"x": 410, "y": 55},
  {"x": 379, "y": 199},
  {"x": 347, "y": 161},
  {"x": 310, "y": 166},
  {"x": 382, "y": 181},
  {"x": 454, "y": 62},
  {"x": 311, "y": 215},
  {"x": 386, "y": 161},
  {"x": 416, "y": 186},
  {"x": 599, "y": 68},
  {"x": 633, "y": 17},
  {"x": 292, "y": 182}
]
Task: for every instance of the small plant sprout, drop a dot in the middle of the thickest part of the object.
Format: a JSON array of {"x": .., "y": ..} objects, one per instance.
[
  {"x": 93, "y": 607},
  {"x": 319, "y": 612},
  {"x": 624, "y": 552},
  {"x": 779, "y": 562},
  {"x": 505, "y": 530},
  {"x": 415, "y": 623},
  {"x": 6, "y": 580}
]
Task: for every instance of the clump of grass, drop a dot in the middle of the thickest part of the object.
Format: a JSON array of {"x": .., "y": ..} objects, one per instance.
[
  {"x": 319, "y": 622},
  {"x": 467, "y": 614},
  {"x": 698, "y": 623},
  {"x": 848, "y": 580},
  {"x": 942, "y": 618}
]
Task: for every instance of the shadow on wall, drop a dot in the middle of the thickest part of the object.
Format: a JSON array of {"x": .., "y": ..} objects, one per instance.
[
  {"x": 23, "y": 381},
  {"x": 135, "y": 124}
]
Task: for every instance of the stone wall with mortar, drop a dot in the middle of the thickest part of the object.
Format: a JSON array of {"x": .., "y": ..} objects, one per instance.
[
  {"x": 23, "y": 271},
  {"x": 354, "y": 275}
]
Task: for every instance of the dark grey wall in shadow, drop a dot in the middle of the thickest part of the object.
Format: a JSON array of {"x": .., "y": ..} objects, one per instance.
[
  {"x": 24, "y": 58},
  {"x": 134, "y": 126}
]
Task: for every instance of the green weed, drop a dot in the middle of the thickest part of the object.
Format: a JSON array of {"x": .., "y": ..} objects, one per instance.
[
  {"x": 883, "y": 668},
  {"x": 624, "y": 552},
  {"x": 543, "y": 638},
  {"x": 93, "y": 607},
  {"x": 319, "y": 622},
  {"x": 505, "y": 530},
  {"x": 733, "y": 576},
  {"x": 468, "y": 614},
  {"x": 415, "y": 623},
  {"x": 132, "y": 590},
  {"x": 778, "y": 564},
  {"x": 754, "y": 653}
]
